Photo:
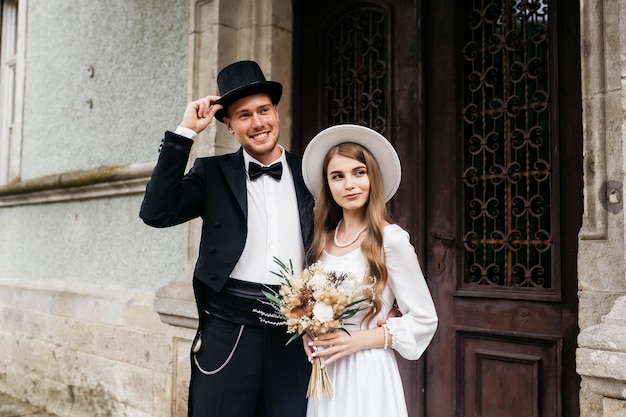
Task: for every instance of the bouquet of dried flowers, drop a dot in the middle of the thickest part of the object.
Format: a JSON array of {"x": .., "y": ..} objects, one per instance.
[{"x": 316, "y": 302}]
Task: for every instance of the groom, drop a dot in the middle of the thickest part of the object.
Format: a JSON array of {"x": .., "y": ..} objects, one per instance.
[{"x": 254, "y": 206}]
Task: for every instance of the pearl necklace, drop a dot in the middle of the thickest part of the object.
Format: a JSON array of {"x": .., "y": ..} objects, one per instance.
[{"x": 354, "y": 239}]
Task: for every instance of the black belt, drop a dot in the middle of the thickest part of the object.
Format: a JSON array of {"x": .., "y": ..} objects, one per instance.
[{"x": 243, "y": 302}]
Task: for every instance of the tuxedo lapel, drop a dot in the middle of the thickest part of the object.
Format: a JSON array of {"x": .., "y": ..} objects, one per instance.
[
  {"x": 235, "y": 176},
  {"x": 305, "y": 200}
]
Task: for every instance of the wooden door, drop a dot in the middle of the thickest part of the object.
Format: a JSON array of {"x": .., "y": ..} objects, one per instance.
[
  {"x": 360, "y": 62},
  {"x": 481, "y": 98},
  {"x": 504, "y": 206}
]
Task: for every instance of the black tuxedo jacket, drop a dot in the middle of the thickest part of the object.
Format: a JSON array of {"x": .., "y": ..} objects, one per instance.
[{"x": 214, "y": 189}]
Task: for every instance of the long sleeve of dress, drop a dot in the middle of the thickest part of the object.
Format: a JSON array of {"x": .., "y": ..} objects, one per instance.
[{"x": 413, "y": 331}]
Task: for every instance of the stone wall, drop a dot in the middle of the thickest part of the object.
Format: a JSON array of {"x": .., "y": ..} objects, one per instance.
[
  {"x": 601, "y": 354},
  {"x": 83, "y": 350}
]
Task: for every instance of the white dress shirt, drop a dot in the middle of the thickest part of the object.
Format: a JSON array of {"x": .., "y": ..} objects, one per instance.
[{"x": 273, "y": 224}]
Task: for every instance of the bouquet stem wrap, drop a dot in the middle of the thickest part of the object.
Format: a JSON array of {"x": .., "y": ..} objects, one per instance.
[{"x": 320, "y": 385}]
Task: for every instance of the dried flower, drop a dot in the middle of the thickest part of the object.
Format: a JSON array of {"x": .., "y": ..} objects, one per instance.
[
  {"x": 317, "y": 302},
  {"x": 323, "y": 312}
]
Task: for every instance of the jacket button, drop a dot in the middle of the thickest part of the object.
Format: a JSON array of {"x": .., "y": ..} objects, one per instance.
[
  {"x": 217, "y": 225},
  {"x": 212, "y": 250},
  {"x": 212, "y": 277}
]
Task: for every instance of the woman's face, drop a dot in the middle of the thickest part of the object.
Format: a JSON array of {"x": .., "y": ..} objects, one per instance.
[{"x": 348, "y": 182}]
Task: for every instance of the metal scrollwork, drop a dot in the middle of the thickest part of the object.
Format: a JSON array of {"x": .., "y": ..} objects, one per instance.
[
  {"x": 357, "y": 69},
  {"x": 507, "y": 144}
]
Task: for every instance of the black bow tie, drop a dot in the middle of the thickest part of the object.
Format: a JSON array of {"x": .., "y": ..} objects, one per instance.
[{"x": 275, "y": 171}]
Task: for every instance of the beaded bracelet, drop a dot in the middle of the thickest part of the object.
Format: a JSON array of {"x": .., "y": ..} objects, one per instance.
[{"x": 386, "y": 330}]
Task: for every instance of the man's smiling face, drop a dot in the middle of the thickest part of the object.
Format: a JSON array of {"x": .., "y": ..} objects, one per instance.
[{"x": 254, "y": 120}]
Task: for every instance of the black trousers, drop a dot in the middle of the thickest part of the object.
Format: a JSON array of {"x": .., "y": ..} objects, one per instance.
[{"x": 247, "y": 371}]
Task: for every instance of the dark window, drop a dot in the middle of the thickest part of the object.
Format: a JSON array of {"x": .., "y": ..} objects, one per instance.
[
  {"x": 357, "y": 73},
  {"x": 507, "y": 147}
]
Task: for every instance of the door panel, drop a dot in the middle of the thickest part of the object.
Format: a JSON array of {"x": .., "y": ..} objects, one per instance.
[
  {"x": 501, "y": 264},
  {"x": 508, "y": 376}
]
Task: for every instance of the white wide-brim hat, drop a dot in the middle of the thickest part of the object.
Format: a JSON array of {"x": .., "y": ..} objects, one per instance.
[{"x": 379, "y": 147}]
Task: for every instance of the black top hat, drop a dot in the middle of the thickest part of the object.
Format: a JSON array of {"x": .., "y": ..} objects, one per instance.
[{"x": 242, "y": 79}]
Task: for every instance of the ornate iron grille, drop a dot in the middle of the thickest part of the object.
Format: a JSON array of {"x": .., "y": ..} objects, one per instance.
[
  {"x": 357, "y": 69},
  {"x": 506, "y": 146}
]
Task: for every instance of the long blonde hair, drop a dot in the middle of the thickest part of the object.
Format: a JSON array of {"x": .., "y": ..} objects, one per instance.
[{"x": 327, "y": 214}]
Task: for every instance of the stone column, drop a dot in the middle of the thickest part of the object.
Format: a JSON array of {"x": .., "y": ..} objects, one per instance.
[
  {"x": 601, "y": 361},
  {"x": 601, "y": 353}
]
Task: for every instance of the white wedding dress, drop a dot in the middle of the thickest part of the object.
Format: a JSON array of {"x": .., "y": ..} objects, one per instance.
[{"x": 367, "y": 383}]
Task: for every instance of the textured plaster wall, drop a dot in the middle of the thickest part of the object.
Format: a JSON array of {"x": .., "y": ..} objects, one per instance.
[
  {"x": 138, "y": 50},
  {"x": 94, "y": 241},
  {"x": 78, "y": 330}
]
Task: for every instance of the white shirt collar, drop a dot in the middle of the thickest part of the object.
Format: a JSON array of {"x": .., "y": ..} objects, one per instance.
[{"x": 247, "y": 158}]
